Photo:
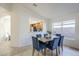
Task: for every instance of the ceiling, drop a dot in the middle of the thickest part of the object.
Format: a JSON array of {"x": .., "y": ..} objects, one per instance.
[
  {"x": 47, "y": 10},
  {"x": 53, "y": 10},
  {"x": 4, "y": 9}
]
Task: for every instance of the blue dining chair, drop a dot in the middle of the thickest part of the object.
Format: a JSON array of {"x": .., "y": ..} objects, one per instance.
[
  {"x": 37, "y": 45},
  {"x": 53, "y": 45},
  {"x": 60, "y": 44}
]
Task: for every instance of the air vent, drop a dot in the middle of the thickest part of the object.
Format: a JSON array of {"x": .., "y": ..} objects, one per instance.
[{"x": 34, "y": 4}]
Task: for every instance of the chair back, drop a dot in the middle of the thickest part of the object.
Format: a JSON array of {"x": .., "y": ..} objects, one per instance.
[
  {"x": 35, "y": 42},
  {"x": 54, "y": 43},
  {"x": 61, "y": 41},
  {"x": 58, "y": 34},
  {"x": 45, "y": 35},
  {"x": 38, "y": 35}
]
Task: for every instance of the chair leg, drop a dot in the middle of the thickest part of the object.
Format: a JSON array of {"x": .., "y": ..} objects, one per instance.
[
  {"x": 51, "y": 52},
  {"x": 62, "y": 47},
  {"x": 56, "y": 52},
  {"x": 33, "y": 51},
  {"x": 59, "y": 50}
]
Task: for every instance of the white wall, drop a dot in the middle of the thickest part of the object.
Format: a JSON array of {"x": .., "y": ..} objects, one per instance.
[{"x": 21, "y": 35}]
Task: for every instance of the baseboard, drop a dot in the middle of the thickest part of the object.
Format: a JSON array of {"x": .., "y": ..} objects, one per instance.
[{"x": 72, "y": 47}]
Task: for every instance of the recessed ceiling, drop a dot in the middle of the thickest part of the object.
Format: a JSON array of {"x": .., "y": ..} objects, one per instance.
[{"x": 52, "y": 10}]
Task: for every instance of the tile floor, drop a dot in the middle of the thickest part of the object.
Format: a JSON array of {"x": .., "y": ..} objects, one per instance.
[
  {"x": 6, "y": 50},
  {"x": 27, "y": 51}
]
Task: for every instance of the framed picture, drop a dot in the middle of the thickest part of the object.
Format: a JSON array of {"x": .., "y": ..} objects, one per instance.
[{"x": 36, "y": 27}]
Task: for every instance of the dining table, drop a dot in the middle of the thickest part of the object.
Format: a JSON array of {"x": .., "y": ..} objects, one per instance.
[{"x": 46, "y": 39}]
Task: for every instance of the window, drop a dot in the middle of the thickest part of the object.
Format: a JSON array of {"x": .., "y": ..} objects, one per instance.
[
  {"x": 69, "y": 28},
  {"x": 66, "y": 28},
  {"x": 57, "y": 27}
]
